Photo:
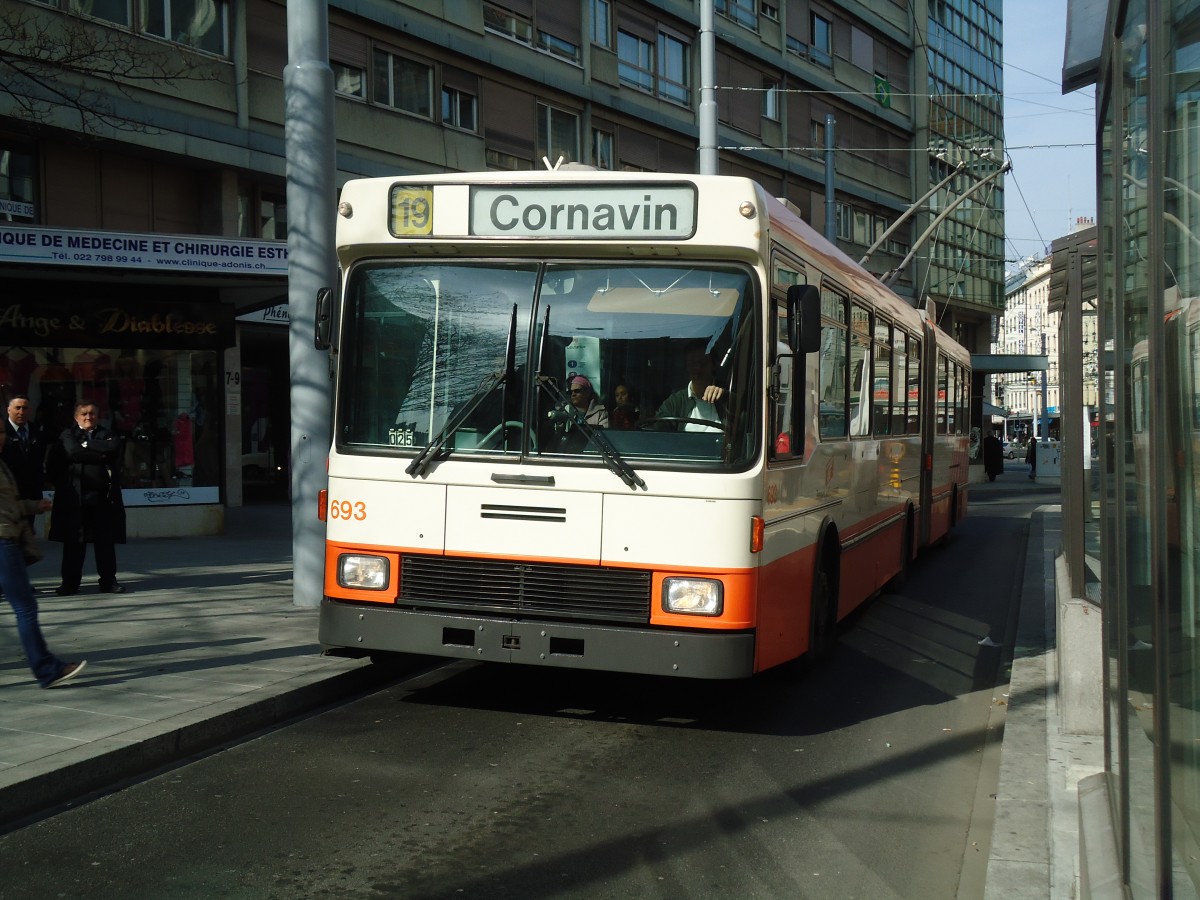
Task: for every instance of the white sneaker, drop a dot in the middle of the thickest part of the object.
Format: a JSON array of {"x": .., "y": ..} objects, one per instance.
[{"x": 70, "y": 670}]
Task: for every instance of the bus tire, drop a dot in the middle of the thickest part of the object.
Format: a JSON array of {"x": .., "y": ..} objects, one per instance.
[
  {"x": 900, "y": 579},
  {"x": 822, "y": 628}
]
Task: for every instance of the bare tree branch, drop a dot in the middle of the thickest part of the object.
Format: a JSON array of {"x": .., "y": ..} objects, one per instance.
[{"x": 50, "y": 61}]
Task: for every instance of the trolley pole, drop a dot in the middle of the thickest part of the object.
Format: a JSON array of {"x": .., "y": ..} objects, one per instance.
[
  {"x": 706, "y": 115},
  {"x": 309, "y": 145},
  {"x": 830, "y": 206}
]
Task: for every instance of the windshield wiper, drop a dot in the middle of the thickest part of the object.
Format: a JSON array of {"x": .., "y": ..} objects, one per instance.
[
  {"x": 422, "y": 460},
  {"x": 608, "y": 453}
]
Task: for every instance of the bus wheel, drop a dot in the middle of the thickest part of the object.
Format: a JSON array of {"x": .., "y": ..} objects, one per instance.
[
  {"x": 900, "y": 579},
  {"x": 822, "y": 618}
]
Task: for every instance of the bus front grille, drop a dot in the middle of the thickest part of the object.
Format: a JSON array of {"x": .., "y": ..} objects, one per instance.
[{"x": 599, "y": 593}]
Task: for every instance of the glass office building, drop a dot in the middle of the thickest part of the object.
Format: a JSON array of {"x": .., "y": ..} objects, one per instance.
[{"x": 963, "y": 267}]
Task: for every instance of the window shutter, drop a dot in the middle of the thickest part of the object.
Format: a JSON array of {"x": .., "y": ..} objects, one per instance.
[
  {"x": 561, "y": 20},
  {"x": 346, "y": 46},
  {"x": 508, "y": 120}
]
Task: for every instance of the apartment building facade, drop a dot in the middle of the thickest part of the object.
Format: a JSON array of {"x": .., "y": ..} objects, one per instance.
[{"x": 142, "y": 191}]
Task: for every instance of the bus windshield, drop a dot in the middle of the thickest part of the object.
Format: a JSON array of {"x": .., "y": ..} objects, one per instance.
[{"x": 518, "y": 359}]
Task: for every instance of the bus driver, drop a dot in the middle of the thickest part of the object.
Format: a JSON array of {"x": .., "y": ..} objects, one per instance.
[{"x": 701, "y": 399}]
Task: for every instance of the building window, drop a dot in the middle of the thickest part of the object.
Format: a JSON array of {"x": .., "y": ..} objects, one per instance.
[
  {"x": 558, "y": 47},
  {"x": 18, "y": 171},
  {"x": 821, "y": 47},
  {"x": 272, "y": 216},
  {"x": 770, "y": 106},
  {"x": 403, "y": 84},
  {"x": 507, "y": 23},
  {"x": 845, "y": 221},
  {"x": 740, "y": 11},
  {"x": 351, "y": 81},
  {"x": 505, "y": 162},
  {"x": 769, "y": 10},
  {"x": 862, "y": 228},
  {"x": 458, "y": 108},
  {"x": 602, "y": 23},
  {"x": 558, "y": 134},
  {"x": 109, "y": 10},
  {"x": 635, "y": 61},
  {"x": 817, "y": 137},
  {"x": 602, "y": 149},
  {"x": 163, "y": 401},
  {"x": 674, "y": 72},
  {"x": 201, "y": 24}
]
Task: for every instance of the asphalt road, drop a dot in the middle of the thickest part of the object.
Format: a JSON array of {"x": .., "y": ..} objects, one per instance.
[{"x": 868, "y": 778}]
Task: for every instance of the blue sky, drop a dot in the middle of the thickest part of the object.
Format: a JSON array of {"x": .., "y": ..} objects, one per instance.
[{"x": 1050, "y": 185}]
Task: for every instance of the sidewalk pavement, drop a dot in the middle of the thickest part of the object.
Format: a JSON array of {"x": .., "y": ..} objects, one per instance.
[
  {"x": 1035, "y": 846},
  {"x": 207, "y": 647}
]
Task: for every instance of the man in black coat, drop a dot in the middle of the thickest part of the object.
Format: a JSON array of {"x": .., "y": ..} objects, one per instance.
[
  {"x": 85, "y": 467},
  {"x": 25, "y": 450},
  {"x": 993, "y": 455}
]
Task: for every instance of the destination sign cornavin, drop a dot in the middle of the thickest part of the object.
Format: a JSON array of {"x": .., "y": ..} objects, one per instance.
[{"x": 632, "y": 212}]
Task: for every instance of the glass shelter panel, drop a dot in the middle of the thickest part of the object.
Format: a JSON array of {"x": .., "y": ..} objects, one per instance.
[
  {"x": 1135, "y": 454},
  {"x": 1181, "y": 317}
]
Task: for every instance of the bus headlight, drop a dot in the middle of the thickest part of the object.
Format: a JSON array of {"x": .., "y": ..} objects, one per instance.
[
  {"x": 363, "y": 573},
  {"x": 694, "y": 596}
]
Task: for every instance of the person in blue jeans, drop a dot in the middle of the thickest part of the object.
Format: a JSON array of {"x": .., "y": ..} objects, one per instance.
[{"x": 48, "y": 669}]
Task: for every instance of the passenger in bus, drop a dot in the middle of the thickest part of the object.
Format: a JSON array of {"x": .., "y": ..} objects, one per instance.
[
  {"x": 625, "y": 413},
  {"x": 583, "y": 399},
  {"x": 702, "y": 399}
]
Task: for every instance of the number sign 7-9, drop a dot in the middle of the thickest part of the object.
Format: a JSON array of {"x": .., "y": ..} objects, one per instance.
[{"x": 412, "y": 211}]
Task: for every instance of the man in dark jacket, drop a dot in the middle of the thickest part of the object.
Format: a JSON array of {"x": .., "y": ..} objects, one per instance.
[
  {"x": 993, "y": 455},
  {"x": 85, "y": 467},
  {"x": 25, "y": 450}
]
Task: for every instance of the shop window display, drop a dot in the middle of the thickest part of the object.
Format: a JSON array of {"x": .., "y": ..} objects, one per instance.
[{"x": 161, "y": 401}]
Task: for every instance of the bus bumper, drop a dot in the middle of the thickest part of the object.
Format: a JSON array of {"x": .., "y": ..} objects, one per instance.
[{"x": 370, "y": 628}]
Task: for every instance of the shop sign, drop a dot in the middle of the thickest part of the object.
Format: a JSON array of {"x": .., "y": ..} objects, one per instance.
[
  {"x": 114, "y": 321},
  {"x": 15, "y": 208},
  {"x": 146, "y": 252},
  {"x": 272, "y": 315}
]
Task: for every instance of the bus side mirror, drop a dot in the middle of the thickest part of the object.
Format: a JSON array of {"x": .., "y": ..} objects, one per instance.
[
  {"x": 324, "y": 321},
  {"x": 804, "y": 318}
]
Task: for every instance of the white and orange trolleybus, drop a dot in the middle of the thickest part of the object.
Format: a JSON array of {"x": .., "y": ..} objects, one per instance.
[{"x": 789, "y": 434}]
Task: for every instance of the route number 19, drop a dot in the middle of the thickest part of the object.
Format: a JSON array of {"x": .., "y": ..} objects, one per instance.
[{"x": 412, "y": 211}]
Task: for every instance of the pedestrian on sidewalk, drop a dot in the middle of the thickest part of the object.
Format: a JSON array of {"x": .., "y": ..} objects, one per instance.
[
  {"x": 1031, "y": 457},
  {"x": 84, "y": 465},
  {"x": 25, "y": 451},
  {"x": 993, "y": 455},
  {"x": 17, "y": 542}
]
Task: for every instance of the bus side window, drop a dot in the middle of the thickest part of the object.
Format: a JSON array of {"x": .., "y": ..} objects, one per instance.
[
  {"x": 785, "y": 442},
  {"x": 834, "y": 365},
  {"x": 881, "y": 389},
  {"x": 914, "y": 385},
  {"x": 860, "y": 370},
  {"x": 786, "y": 429},
  {"x": 899, "y": 384}
]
